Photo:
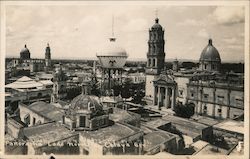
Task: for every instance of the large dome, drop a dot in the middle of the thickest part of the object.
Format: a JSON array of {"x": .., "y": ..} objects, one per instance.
[
  {"x": 210, "y": 53},
  {"x": 86, "y": 104},
  {"x": 112, "y": 49},
  {"x": 25, "y": 50},
  {"x": 112, "y": 55}
]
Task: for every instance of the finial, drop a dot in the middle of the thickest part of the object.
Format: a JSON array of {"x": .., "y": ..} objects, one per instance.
[
  {"x": 47, "y": 44},
  {"x": 210, "y": 42},
  {"x": 25, "y": 46},
  {"x": 156, "y": 16}
]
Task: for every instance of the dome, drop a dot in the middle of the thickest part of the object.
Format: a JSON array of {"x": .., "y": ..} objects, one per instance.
[
  {"x": 156, "y": 25},
  {"x": 25, "y": 50},
  {"x": 86, "y": 104},
  {"x": 210, "y": 53},
  {"x": 112, "y": 49}
]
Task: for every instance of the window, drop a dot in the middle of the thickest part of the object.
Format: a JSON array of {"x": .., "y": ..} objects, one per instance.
[
  {"x": 149, "y": 62},
  {"x": 181, "y": 92},
  {"x": 153, "y": 62},
  {"x": 220, "y": 99},
  {"x": 205, "y": 67},
  {"x": 219, "y": 110},
  {"x": 239, "y": 102},
  {"x": 205, "y": 109},
  {"x": 34, "y": 120},
  {"x": 192, "y": 94},
  {"x": 205, "y": 96}
]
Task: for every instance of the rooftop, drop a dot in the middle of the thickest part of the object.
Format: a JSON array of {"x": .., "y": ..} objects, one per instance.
[
  {"x": 122, "y": 115},
  {"x": 47, "y": 133},
  {"x": 112, "y": 133},
  {"x": 24, "y": 83},
  {"x": 231, "y": 125},
  {"x": 212, "y": 150},
  {"x": 46, "y": 110},
  {"x": 156, "y": 138},
  {"x": 185, "y": 122}
]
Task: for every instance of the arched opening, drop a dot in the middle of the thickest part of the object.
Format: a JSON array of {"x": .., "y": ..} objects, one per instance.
[
  {"x": 153, "y": 62},
  {"x": 149, "y": 62}
]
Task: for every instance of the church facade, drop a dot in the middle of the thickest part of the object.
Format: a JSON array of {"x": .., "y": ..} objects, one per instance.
[{"x": 211, "y": 92}]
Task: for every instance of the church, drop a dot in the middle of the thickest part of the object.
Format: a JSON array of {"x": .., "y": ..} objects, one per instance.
[
  {"x": 211, "y": 92},
  {"x": 25, "y": 62}
]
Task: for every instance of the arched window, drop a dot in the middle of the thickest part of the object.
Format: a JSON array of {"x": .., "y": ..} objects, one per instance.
[
  {"x": 149, "y": 62},
  {"x": 205, "y": 66},
  {"x": 153, "y": 62}
]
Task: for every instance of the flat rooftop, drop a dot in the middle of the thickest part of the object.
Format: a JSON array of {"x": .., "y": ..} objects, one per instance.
[
  {"x": 231, "y": 125},
  {"x": 123, "y": 115},
  {"x": 185, "y": 122},
  {"x": 47, "y": 133},
  {"x": 111, "y": 133},
  {"x": 212, "y": 150},
  {"x": 155, "y": 138}
]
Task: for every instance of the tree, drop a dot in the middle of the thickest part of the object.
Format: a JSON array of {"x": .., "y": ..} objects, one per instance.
[
  {"x": 185, "y": 111},
  {"x": 95, "y": 90},
  {"x": 126, "y": 88}
]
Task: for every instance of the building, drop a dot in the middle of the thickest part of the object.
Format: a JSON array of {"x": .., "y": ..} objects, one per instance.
[
  {"x": 137, "y": 77},
  {"x": 26, "y": 90},
  {"x": 155, "y": 57},
  {"x": 83, "y": 127},
  {"x": 211, "y": 92},
  {"x": 25, "y": 62}
]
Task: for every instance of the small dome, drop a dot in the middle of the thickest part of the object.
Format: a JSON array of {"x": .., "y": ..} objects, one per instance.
[
  {"x": 86, "y": 104},
  {"x": 210, "y": 53},
  {"x": 157, "y": 25},
  {"x": 112, "y": 49},
  {"x": 25, "y": 50}
]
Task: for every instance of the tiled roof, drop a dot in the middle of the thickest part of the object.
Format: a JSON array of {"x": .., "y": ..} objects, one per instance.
[{"x": 46, "y": 110}]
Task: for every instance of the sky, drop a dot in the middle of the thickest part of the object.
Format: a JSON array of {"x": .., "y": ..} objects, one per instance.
[{"x": 80, "y": 31}]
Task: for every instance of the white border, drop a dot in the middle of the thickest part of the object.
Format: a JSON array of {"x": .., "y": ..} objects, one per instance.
[{"x": 3, "y": 4}]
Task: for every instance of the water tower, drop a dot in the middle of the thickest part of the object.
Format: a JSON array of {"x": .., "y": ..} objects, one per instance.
[{"x": 112, "y": 58}]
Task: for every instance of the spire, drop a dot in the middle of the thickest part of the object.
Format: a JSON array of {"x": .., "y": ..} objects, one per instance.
[{"x": 112, "y": 38}]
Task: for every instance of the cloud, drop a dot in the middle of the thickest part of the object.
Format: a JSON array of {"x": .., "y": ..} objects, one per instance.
[
  {"x": 136, "y": 25},
  {"x": 231, "y": 40},
  {"x": 203, "y": 33},
  {"x": 228, "y": 15},
  {"x": 191, "y": 22}
]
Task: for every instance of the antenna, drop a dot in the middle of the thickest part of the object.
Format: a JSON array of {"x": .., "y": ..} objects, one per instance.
[
  {"x": 113, "y": 35},
  {"x": 112, "y": 25}
]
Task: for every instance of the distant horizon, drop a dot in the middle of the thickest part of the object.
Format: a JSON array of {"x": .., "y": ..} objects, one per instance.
[{"x": 132, "y": 59}]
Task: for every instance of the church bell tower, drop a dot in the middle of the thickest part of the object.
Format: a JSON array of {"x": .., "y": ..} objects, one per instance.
[{"x": 155, "y": 56}]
